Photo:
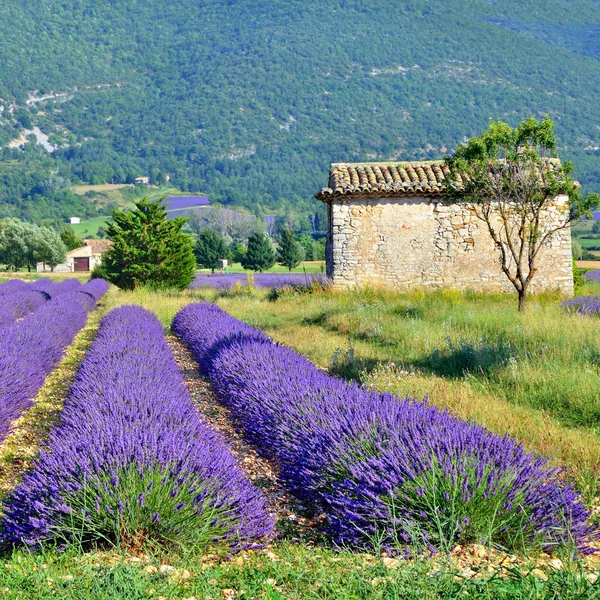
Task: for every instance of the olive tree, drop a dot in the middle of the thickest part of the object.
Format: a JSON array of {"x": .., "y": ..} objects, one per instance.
[{"x": 510, "y": 179}]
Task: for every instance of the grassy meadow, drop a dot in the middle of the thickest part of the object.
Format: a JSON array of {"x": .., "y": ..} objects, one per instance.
[{"x": 534, "y": 376}]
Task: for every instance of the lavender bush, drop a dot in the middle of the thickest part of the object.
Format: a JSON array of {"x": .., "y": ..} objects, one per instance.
[
  {"x": 381, "y": 468},
  {"x": 19, "y": 304},
  {"x": 261, "y": 280},
  {"x": 29, "y": 351},
  {"x": 593, "y": 275},
  {"x": 131, "y": 461},
  {"x": 583, "y": 305}
]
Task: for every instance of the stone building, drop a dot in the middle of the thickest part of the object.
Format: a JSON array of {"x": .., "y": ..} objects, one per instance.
[{"x": 387, "y": 226}]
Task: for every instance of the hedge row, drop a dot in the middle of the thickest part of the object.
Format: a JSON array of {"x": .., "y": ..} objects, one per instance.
[
  {"x": 131, "y": 461},
  {"x": 386, "y": 471}
]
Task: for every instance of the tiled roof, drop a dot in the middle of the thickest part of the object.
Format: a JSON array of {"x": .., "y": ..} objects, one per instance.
[
  {"x": 385, "y": 179},
  {"x": 424, "y": 178},
  {"x": 98, "y": 246}
]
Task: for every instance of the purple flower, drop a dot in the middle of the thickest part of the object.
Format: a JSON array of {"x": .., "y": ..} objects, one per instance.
[
  {"x": 366, "y": 458},
  {"x": 37, "y": 322},
  {"x": 128, "y": 408},
  {"x": 261, "y": 280}
]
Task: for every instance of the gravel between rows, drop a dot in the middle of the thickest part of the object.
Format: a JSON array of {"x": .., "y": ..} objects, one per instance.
[{"x": 295, "y": 521}]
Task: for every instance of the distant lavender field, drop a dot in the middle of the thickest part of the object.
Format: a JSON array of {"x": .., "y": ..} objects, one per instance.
[
  {"x": 179, "y": 202},
  {"x": 593, "y": 275},
  {"x": 261, "y": 280},
  {"x": 583, "y": 305}
]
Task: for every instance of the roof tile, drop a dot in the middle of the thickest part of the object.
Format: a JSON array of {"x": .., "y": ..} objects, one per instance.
[{"x": 385, "y": 179}]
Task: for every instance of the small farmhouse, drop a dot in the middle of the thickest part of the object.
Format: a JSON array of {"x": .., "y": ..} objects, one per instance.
[
  {"x": 388, "y": 227},
  {"x": 81, "y": 259},
  {"x": 75, "y": 220}
]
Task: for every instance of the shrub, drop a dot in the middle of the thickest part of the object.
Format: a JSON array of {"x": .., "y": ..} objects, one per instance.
[
  {"x": 131, "y": 461},
  {"x": 381, "y": 468},
  {"x": 260, "y": 255},
  {"x": 148, "y": 249}
]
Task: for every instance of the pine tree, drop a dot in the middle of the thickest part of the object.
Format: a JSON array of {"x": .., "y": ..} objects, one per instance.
[
  {"x": 149, "y": 249},
  {"x": 260, "y": 255},
  {"x": 210, "y": 248},
  {"x": 289, "y": 252}
]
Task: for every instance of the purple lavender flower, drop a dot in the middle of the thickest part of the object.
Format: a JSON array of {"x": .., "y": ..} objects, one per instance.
[
  {"x": 261, "y": 280},
  {"x": 128, "y": 412},
  {"x": 48, "y": 315},
  {"x": 364, "y": 458},
  {"x": 583, "y": 305}
]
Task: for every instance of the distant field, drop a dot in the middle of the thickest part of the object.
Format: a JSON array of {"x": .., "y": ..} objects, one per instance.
[
  {"x": 89, "y": 227},
  {"x": 104, "y": 187},
  {"x": 588, "y": 242},
  {"x": 588, "y": 264}
]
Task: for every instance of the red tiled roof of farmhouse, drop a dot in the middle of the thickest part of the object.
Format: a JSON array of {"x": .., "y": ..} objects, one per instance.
[
  {"x": 98, "y": 246},
  {"x": 419, "y": 178}
]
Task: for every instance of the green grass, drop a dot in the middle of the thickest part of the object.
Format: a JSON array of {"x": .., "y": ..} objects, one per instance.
[
  {"x": 287, "y": 571},
  {"x": 545, "y": 359},
  {"x": 89, "y": 227}
]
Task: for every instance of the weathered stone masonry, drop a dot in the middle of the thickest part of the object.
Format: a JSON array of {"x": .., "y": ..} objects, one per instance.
[{"x": 412, "y": 240}]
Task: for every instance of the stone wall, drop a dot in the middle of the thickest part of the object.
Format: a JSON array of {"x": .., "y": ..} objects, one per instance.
[{"x": 414, "y": 243}]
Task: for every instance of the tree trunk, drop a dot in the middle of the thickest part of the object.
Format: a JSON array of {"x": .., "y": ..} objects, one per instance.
[{"x": 522, "y": 298}]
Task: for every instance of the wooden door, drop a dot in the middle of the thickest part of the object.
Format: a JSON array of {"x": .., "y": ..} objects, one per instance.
[{"x": 81, "y": 263}]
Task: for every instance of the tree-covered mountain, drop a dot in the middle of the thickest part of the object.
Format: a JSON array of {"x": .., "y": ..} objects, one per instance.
[{"x": 250, "y": 100}]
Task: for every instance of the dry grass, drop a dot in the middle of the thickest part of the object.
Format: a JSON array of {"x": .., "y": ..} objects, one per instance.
[
  {"x": 104, "y": 187},
  {"x": 589, "y": 264}
]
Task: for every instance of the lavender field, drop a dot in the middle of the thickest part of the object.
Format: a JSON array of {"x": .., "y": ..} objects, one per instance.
[
  {"x": 264, "y": 281},
  {"x": 270, "y": 446}
]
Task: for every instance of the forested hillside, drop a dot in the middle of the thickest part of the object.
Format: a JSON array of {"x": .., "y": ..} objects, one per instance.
[{"x": 249, "y": 100}]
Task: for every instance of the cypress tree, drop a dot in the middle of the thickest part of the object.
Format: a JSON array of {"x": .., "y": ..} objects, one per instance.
[
  {"x": 149, "y": 249},
  {"x": 260, "y": 255},
  {"x": 290, "y": 252},
  {"x": 210, "y": 248}
]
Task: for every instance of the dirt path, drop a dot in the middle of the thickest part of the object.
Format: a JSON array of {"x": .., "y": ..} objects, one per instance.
[{"x": 295, "y": 521}]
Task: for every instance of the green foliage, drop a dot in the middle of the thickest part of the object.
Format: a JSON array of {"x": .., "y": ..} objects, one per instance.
[
  {"x": 289, "y": 251},
  {"x": 149, "y": 249},
  {"x": 210, "y": 248},
  {"x": 253, "y": 109},
  {"x": 308, "y": 244},
  {"x": 70, "y": 240},
  {"x": 131, "y": 520},
  {"x": 579, "y": 279},
  {"x": 24, "y": 244},
  {"x": 237, "y": 252},
  {"x": 260, "y": 255},
  {"x": 596, "y": 227},
  {"x": 319, "y": 249},
  {"x": 511, "y": 177}
]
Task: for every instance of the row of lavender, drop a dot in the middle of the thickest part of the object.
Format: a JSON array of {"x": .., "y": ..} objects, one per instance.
[
  {"x": 18, "y": 298},
  {"x": 131, "y": 458},
  {"x": 263, "y": 281},
  {"x": 384, "y": 470},
  {"x": 30, "y": 348}
]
